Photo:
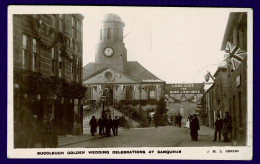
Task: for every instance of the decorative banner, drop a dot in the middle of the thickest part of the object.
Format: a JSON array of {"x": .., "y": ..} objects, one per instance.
[
  {"x": 117, "y": 86},
  {"x": 95, "y": 88},
  {"x": 186, "y": 88},
  {"x": 157, "y": 87}
]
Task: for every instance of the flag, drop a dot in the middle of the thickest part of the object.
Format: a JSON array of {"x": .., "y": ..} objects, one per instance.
[{"x": 236, "y": 55}]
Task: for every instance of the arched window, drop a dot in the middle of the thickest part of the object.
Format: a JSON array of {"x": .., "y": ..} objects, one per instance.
[
  {"x": 108, "y": 33},
  {"x": 117, "y": 34}
]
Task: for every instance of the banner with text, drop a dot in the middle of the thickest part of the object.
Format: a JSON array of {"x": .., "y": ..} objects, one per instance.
[{"x": 185, "y": 88}]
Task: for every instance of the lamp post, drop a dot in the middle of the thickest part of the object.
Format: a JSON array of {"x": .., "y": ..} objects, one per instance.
[{"x": 103, "y": 99}]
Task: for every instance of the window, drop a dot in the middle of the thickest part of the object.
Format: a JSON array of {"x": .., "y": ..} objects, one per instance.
[
  {"x": 25, "y": 53},
  {"x": 77, "y": 69},
  {"x": 151, "y": 94},
  {"x": 35, "y": 55},
  {"x": 117, "y": 34},
  {"x": 53, "y": 62},
  {"x": 73, "y": 27},
  {"x": 71, "y": 69},
  {"x": 60, "y": 21},
  {"x": 240, "y": 110},
  {"x": 78, "y": 25},
  {"x": 108, "y": 33},
  {"x": 129, "y": 92},
  {"x": 78, "y": 29},
  {"x": 76, "y": 111},
  {"x": 60, "y": 63}
]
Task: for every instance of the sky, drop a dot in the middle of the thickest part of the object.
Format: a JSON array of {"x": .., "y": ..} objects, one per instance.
[{"x": 178, "y": 45}]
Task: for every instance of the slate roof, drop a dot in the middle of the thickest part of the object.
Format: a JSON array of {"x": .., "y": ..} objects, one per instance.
[{"x": 133, "y": 68}]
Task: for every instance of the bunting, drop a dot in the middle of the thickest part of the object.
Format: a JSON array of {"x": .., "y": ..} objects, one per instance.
[
  {"x": 117, "y": 86},
  {"x": 95, "y": 88},
  {"x": 134, "y": 87}
]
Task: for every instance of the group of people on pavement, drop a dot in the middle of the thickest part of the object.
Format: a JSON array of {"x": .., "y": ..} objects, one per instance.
[
  {"x": 32, "y": 130},
  {"x": 223, "y": 126},
  {"x": 105, "y": 125},
  {"x": 176, "y": 119}
]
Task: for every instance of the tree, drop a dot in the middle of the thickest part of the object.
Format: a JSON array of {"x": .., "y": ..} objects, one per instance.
[{"x": 160, "y": 113}]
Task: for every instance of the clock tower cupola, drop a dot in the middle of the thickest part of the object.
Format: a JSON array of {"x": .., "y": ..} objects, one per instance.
[{"x": 110, "y": 50}]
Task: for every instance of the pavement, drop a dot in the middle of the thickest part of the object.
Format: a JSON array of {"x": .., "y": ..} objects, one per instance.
[
  {"x": 205, "y": 138},
  {"x": 70, "y": 139},
  {"x": 172, "y": 137}
]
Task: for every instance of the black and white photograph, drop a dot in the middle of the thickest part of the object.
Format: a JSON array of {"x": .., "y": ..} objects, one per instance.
[{"x": 125, "y": 82}]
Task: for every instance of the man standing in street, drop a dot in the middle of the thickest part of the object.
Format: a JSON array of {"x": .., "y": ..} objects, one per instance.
[
  {"x": 108, "y": 126},
  {"x": 179, "y": 120},
  {"x": 100, "y": 126},
  {"x": 93, "y": 125},
  {"x": 194, "y": 127},
  {"x": 115, "y": 125},
  {"x": 175, "y": 119},
  {"x": 171, "y": 119},
  {"x": 227, "y": 127},
  {"x": 218, "y": 127}
]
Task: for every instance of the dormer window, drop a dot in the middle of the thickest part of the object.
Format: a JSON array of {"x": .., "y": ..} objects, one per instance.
[{"x": 108, "y": 33}]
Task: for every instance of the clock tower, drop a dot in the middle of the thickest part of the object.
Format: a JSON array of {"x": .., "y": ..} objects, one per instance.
[{"x": 111, "y": 51}]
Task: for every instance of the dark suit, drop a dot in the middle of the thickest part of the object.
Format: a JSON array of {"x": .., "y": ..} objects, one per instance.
[
  {"x": 194, "y": 127},
  {"x": 93, "y": 126},
  {"x": 115, "y": 126},
  {"x": 179, "y": 120},
  {"x": 218, "y": 127},
  {"x": 108, "y": 126},
  {"x": 101, "y": 126}
]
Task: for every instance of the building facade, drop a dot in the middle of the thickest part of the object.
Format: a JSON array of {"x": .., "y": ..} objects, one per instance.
[
  {"x": 216, "y": 98},
  {"x": 229, "y": 91},
  {"x": 47, "y": 64},
  {"x": 236, "y": 36},
  {"x": 112, "y": 74}
]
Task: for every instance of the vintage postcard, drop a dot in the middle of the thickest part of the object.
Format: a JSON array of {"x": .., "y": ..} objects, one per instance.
[{"x": 125, "y": 82}]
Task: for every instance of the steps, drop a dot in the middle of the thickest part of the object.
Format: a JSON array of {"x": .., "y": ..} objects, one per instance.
[{"x": 114, "y": 112}]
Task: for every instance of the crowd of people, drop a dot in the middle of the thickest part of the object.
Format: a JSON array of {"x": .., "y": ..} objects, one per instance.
[
  {"x": 176, "y": 119},
  {"x": 222, "y": 126},
  {"x": 105, "y": 125}
]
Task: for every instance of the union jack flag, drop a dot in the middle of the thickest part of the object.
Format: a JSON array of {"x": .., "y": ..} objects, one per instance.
[{"x": 235, "y": 54}]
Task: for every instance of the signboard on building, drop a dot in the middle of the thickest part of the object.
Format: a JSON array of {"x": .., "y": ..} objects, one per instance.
[{"x": 185, "y": 88}]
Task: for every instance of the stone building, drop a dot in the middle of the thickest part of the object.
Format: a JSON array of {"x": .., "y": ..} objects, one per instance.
[
  {"x": 113, "y": 74},
  {"x": 216, "y": 99},
  {"x": 229, "y": 91},
  {"x": 235, "y": 44},
  {"x": 47, "y": 70}
]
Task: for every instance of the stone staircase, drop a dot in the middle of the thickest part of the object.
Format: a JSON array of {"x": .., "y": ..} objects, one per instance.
[{"x": 114, "y": 112}]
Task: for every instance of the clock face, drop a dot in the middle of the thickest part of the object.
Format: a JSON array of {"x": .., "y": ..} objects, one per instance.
[{"x": 108, "y": 51}]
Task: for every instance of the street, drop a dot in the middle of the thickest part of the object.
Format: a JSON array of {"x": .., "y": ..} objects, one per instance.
[{"x": 150, "y": 137}]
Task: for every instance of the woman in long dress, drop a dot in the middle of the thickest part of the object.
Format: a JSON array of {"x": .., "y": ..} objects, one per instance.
[{"x": 188, "y": 122}]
